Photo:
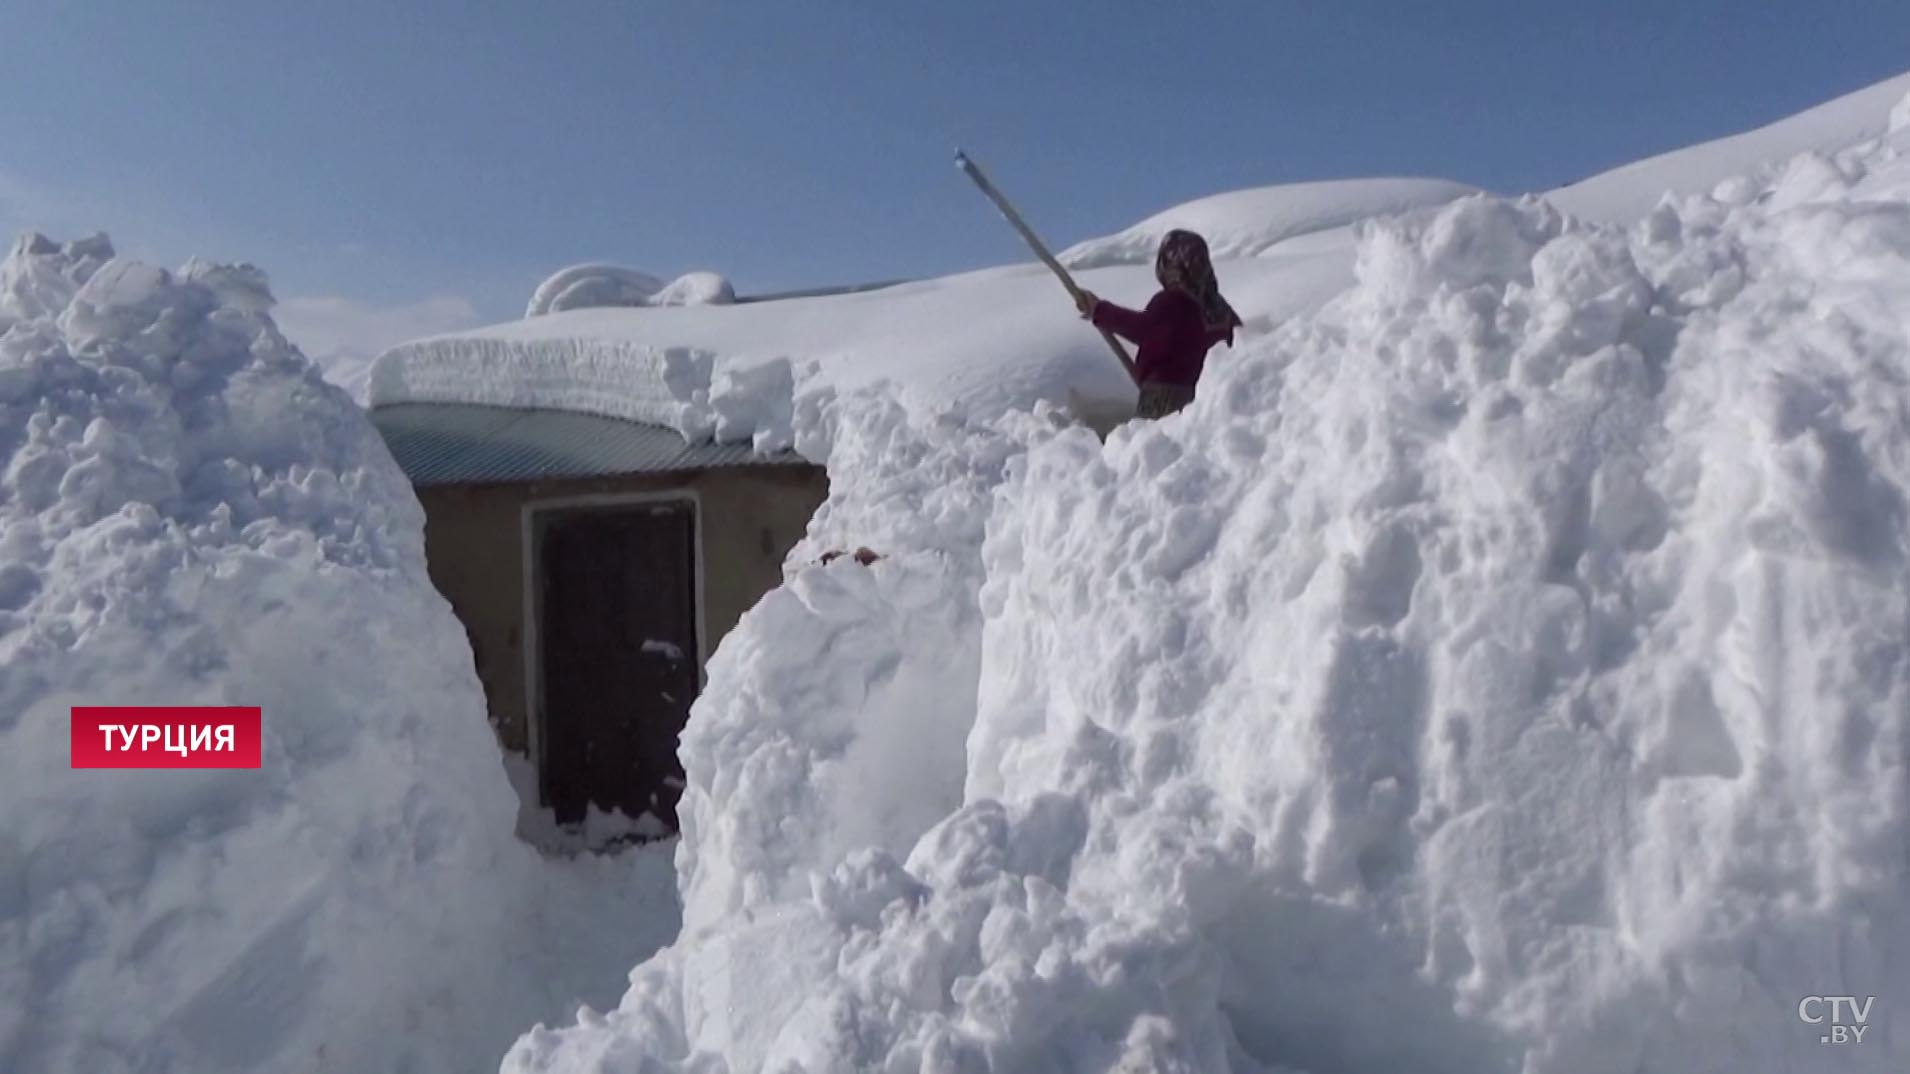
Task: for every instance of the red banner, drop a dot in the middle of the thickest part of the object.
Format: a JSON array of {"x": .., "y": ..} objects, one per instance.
[{"x": 139, "y": 736}]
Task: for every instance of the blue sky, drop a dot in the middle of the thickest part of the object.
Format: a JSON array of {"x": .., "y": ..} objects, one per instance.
[{"x": 435, "y": 160}]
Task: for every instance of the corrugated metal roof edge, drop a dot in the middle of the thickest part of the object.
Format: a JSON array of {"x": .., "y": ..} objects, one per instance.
[{"x": 464, "y": 443}]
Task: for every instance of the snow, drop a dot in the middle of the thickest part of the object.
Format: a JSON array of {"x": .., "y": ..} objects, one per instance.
[
  {"x": 189, "y": 514},
  {"x": 40, "y": 276},
  {"x": 993, "y": 340},
  {"x": 755, "y": 403},
  {"x": 666, "y": 649},
  {"x": 792, "y": 691},
  {"x": 668, "y": 387},
  {"x": 349, "y": 369},
  {"x": 584, "y": 286},
  {"x": 1625, "y": 194},
  {"x": 695, "y": 289},
  {"x": 1499, "y": 667},
  {"x": 603, "y": 831},
  {"x": 1246, "y": 223},
  {"x": 593, "y": 285},
  {"x": 1001, "y": 339},
  {"x": 672, "y": 387},
  {"x": 344, "y": 336}
]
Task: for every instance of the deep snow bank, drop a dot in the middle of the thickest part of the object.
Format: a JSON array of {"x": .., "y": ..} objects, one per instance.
[
  {"x": 1503, "y": 669},
  {"x": 190, "y": 515},
  {"x": 866, "y": 749}
]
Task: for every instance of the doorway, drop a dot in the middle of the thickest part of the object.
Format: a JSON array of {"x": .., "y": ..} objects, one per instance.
[{"x": 615, "y": 620}]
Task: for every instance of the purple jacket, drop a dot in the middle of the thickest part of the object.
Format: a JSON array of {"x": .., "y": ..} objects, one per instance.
[{"x": 1172, "y": 337}]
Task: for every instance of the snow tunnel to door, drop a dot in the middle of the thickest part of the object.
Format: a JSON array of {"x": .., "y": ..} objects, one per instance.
[
  {"x": 595, "y": 564},
  {"x": 615, "y": 657}
]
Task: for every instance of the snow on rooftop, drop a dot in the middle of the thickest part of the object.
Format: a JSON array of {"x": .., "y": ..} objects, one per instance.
[
  {"x": 595, "y": 285},
  {"x": 1004, "y": 338},
  {"x": 990, "y": 340}
]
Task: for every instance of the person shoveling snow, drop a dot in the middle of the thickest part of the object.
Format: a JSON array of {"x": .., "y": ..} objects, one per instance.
[
  {"x": 1180, "y": 324},
  {"x": 1176, "y": 329}
]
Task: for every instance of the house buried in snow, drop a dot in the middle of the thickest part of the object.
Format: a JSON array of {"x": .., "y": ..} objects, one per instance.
[{"x": 595, "y": 563}]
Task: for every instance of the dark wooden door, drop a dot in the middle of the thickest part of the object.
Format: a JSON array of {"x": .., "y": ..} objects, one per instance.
[{"x": 617, "y": 640}]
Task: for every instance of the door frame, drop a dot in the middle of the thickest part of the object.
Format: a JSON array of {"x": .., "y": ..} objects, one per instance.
[{"x": 609, "y": 502}]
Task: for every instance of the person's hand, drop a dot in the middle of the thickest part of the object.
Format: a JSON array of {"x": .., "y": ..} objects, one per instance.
[{"x": 1085, "y": 302}]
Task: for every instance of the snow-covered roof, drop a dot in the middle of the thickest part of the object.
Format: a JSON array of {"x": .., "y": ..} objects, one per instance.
[
  {"x": 1005, "y": 337},
  {"x": 458, "y": 444},
  {"x": 994, "y": 339}
]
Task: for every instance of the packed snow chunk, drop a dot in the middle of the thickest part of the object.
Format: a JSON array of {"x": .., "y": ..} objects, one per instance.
[
  {"x": 695, "y": 289},
  {"x": 1244, "y": 223},
  {"x": 190, "y": 515},
  {"x": 1900, "y": 115},
  {"x": 757, "y": 404},
  {"x": 1501, "y": 669},
  {"x": 585, "y": 286},
  {"x": 241, "y": 286},
  {"x": 40, "y": 276}
]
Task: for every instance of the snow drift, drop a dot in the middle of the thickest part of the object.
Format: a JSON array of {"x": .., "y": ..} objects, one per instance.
[
  {"x": 1624, "y": 194},
  {"x": 1502, "y": 669},
  {"x": 190, "y": 515},
  {"x": 1246, "y": 223}
]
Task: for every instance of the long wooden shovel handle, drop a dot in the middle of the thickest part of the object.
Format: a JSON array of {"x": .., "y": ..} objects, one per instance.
[{"x": 1034, "y": 242}]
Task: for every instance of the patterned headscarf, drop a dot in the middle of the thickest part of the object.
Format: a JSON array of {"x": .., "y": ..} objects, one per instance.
[{"x": 1183, "y": 264}]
